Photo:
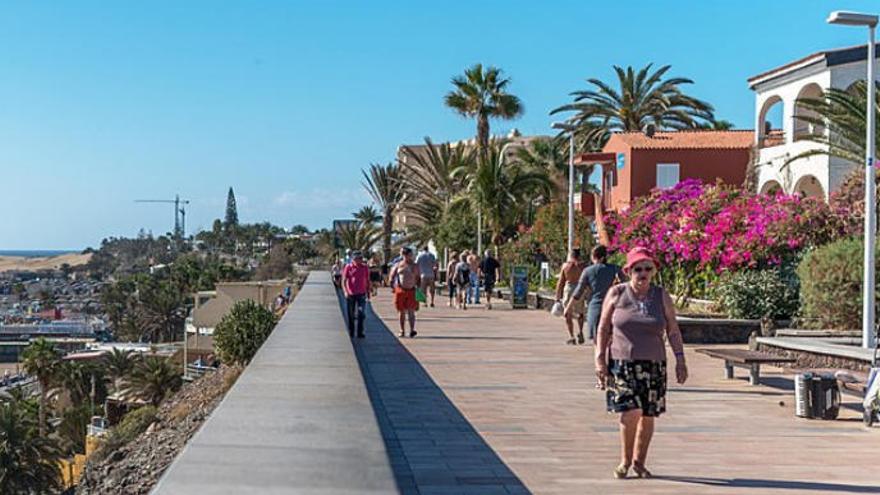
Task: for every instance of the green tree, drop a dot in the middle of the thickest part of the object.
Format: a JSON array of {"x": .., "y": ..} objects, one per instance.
[
  {"x": 368, "y": 215},
  {"x": 301, "y": 251},
  {"x": 72, "y": 429},
  {"x": 503, "y": 192},
  {"x": 28, "y": 459},
  {"x": 640, "y": 98},
  {"x": 242, "y": 331},
  {"x": 299, "y": 229},
  {"x": 383, "y": 184},
  {"x": 357, "y": 236},
  {"x": 118, "y": 364},
  {"x": 481, "y": 94},
  {"x": 550, "y": 155},
  {"x": 276, "y": 265},
  {"x": 41, "y": 360},
  {"x": 152, "y": 380},
  {"x": 161, "y": 311},
  {"x": 231, "y": 220}
]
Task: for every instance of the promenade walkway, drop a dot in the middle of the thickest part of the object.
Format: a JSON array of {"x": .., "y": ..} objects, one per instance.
[{"x": 493, "y": 402}]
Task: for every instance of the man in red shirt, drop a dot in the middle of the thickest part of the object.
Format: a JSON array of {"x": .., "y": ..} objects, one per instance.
[{"x": 356, "y": 285}]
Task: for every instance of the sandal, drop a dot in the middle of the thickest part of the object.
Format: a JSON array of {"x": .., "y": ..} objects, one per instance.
[
  {"x": 402, "y": 334},
  {"x": 620, "y": 471},
  {"x": 640, "y": 470}
]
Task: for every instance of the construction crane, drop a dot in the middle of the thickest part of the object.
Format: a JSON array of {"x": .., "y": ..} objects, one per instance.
[{"x": 179, "y": 212}]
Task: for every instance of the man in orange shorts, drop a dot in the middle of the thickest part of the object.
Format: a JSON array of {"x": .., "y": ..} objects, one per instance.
[{"x": 404, "y": 278}]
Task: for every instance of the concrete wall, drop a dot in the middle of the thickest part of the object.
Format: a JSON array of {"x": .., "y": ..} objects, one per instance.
[{"x": 298, "y": 420}]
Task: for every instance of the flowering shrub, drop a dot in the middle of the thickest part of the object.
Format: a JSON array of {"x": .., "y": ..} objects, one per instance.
[{"x": 698, "y": 231}]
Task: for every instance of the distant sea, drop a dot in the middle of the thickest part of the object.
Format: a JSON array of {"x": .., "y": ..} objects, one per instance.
[{"x": 35, "y": 253}]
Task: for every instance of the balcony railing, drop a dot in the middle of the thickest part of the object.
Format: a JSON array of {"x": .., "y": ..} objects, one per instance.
[{"x": 772, "y": 138}]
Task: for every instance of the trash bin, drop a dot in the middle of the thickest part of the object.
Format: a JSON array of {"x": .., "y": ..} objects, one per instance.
[{"x": 817, "y": 396}]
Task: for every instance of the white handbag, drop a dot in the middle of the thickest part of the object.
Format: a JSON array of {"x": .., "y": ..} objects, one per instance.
[{"x": 558, "y": 309}]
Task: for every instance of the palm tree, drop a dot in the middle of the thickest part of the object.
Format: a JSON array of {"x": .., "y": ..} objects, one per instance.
[
  {"x": 162, "y": 311},
  {"x": 430, "y": 185},
  {"x": 383, "y": 184},
  {"x": 642, "y": 97},
  {"x": 502, "y": 191},
  {"x": 481, "y": 94},
  {"x": 152, "y": 379},
  {"x": 28, "y": 459},
  {"x": 368, "y": 215},
  {"x": 550, "y": 155},
  {"x": 358, "y": 236},
  {"x": 842, "y": 115},
  {"x": 41, "y": 360},
  {"x": 118, "y": 363}
]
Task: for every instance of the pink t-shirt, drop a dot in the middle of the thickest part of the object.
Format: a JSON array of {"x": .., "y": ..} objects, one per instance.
[{"x": 356, "y": 278}]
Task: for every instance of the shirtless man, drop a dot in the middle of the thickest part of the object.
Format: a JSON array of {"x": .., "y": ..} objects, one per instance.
[
  {"x": 403, "y": 279},
  {"x": 569, "y": 276}
]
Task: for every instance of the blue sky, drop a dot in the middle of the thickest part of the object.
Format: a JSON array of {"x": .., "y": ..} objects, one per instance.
[{"x": 102, "y": 103}]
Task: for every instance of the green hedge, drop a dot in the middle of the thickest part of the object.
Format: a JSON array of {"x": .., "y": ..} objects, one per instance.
[
  {"x": 756, "y": 294},
  {"x": 831, "y": 285},
  {"x": 242, "y": 331}
]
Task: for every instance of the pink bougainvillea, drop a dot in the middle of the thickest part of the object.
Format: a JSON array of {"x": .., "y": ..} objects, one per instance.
[{"x": 721, "y": 228}]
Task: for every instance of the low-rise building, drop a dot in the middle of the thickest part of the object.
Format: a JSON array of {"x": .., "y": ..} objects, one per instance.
[
  {"x": 634, "y": 163},
  {"x": 777, "y": 92}
]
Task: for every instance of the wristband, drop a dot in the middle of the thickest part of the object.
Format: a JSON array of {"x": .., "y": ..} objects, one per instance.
[{"x": 679, "y": 354}]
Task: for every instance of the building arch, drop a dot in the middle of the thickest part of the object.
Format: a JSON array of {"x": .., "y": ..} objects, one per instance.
[
  {"x": 770, "y": 125},
  {"x": 771, "y": 187},
  {"x": 804, "y": 129},
  {"x": 808, "y": 186}
]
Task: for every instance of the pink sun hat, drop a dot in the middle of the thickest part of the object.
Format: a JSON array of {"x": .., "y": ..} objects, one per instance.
[{"x": 637, "y": 255}]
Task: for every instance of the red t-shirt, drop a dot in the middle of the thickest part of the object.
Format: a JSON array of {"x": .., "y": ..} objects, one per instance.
[{"x": 356, "y": 278}]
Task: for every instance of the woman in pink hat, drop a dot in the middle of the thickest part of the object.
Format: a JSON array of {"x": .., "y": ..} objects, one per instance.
[{"x": 631, "y": 357}]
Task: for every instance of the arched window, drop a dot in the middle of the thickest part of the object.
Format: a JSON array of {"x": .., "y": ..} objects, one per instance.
[
  {"x": 771, "y": 132},
  {"x": 805, "y": 120},
  {"x": 771, "y": 187},
  {"x": 809, "y": 187}
]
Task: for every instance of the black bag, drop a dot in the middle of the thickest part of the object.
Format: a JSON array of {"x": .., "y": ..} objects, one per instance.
[{"x": 463, "y": 274}]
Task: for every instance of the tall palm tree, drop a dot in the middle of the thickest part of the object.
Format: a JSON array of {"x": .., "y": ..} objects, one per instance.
[
  {"x": 481, "y": 94},
  {"x": 640, "y": 98},
  {"x": 118, "y": 363},
  {"x": 41, "y": 360},
  {"x": 152, "y": 379},
  {"x": 28, "y": 459},
  {"x": 430, "y": 185},
  {"x": 359, "y": 236},
  {"x": 502, "y": 191},
  {"x": 367, "y": 215},
  {"x": 550, "y": 155},
  {"x": 162, "y": 312},
  {"x": 383, "y": 184}
]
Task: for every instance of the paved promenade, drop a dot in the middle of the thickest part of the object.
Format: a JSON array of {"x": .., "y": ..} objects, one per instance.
[{"x": 493, "y": 402}]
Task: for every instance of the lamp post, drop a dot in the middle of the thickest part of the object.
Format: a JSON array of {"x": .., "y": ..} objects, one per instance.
[
  {"x": 565, "y": 127},
  {"x": 869, "y": 21}
]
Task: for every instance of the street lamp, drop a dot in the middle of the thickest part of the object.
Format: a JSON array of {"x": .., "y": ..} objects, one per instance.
[
  {"x": 570, "y": 128},
  {"x": 870, "y": 21}
]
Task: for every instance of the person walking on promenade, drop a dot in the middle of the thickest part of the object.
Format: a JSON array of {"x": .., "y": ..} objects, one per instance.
[
  {"x": 450, "y": 277},
  {"x": 403, "y": 279},
  {"x": 593, "y": 285},
  {"x": 375, "y": 274},
  {"x": 473, "y": 260},
  {"x": 631, "y": 357},
  {"x": 490, "y": 272},
  {"x": 463, "y": 280},
  {"x": 428, "y": 269},
  {"x": 356, "y": 286},
  {"x": 565, "y": 286}
]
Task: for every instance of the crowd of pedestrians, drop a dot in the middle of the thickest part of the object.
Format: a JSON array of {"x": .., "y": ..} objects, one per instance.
[{"x": 626, "y": 316}]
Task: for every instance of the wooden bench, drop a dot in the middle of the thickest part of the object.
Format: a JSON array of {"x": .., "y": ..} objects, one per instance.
[{"x": 743, "y": 358}]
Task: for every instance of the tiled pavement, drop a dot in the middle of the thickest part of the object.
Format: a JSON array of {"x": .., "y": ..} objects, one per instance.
[{"x": 493, "y": 402}]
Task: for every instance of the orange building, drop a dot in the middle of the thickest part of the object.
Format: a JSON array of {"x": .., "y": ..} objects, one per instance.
[{"x": 634, "y": 163}]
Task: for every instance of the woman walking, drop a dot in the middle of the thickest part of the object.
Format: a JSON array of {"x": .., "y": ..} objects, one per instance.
[
  {"x": 631, "y": 357},
  {"x": 450, "y": 277},
  {"x": 593, "y": 285}
]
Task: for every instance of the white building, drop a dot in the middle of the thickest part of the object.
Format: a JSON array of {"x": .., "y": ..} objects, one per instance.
[{"x": 818, "y": 175}]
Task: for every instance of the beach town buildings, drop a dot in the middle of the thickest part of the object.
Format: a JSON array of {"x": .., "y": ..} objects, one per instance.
[
  {"x": 777, "y": 92},
  {"x": 634, "y": 163}
]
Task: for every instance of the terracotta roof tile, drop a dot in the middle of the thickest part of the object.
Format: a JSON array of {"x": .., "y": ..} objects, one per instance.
[{"x": 687, "y": 139}]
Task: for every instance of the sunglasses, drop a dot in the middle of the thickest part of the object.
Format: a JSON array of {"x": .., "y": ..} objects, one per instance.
[{"x": 643, "y": 269}]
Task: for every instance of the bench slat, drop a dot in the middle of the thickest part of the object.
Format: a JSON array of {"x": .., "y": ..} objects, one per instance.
[{"x": 745, "y": 356}]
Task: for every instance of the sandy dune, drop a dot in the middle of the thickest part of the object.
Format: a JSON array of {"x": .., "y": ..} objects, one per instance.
[{"x": 17, "y": 263}]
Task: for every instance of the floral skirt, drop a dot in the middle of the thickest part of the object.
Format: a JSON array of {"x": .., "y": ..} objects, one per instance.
[{"x": 636, "y": 385}]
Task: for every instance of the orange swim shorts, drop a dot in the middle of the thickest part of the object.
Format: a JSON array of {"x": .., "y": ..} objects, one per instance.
[{"x": 405, "y": 299}]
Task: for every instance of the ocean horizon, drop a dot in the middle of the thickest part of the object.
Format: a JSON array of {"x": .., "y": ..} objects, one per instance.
[{"x": 35, "y": 253}]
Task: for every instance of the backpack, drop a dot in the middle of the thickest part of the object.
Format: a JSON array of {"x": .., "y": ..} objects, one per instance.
[{"x": 463, "y": 274}]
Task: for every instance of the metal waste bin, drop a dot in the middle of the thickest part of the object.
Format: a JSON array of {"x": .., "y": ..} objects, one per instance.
[{"x": 817, "y": 396}]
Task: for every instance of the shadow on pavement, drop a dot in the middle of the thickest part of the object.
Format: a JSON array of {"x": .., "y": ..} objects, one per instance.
[
  {"x": 796, "y": 486},
  {"x": 431, "y": 446}
]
